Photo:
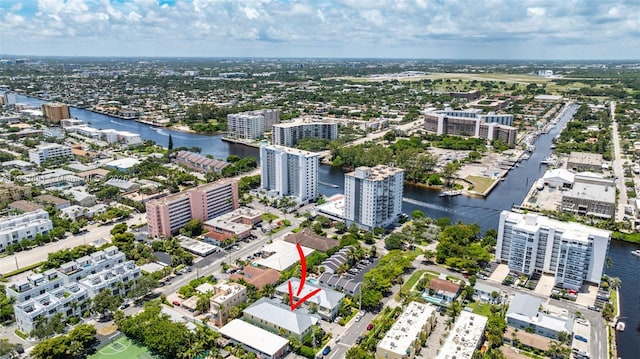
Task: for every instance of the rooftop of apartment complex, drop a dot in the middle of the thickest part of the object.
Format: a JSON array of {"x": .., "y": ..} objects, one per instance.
[
  {"x": 326, "y": 297},
  {"x": 464, "y": 337},
  {"x": 290, "y": 150},
  {"x": 407, "y": 328},
  {"x": 375, "y": 173},
  {"x": 533, "y": 222},
  {"x": 185, "y": 193},
  {"x": 254, "y": 337}
]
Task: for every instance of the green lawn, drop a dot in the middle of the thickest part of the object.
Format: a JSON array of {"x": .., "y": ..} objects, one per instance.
[
  {"x": 481, "y": 308},
  {"x": 614, "y": 300},
  {"x": 480, "y": 183},
  {"x": 122, "y": 348}
]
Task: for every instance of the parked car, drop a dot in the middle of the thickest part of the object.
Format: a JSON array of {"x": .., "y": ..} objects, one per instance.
[
  {"x": 359, "y": 339},
  {"x": 176, "y": 303},
  {"x": 326, "y": 350},
  {"x": 125, "y": 306},
  {"x": 581, "y": 338},
  {"x": 370, "y": 326}
]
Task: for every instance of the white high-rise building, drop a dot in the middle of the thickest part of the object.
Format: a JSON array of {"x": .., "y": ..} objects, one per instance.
[
  {"x": 49, "y": 151},
  {"x": 288, "y": 134},
  {"x": 373, "y": 196},
  {"x": 289, "y": 172},
  {"x": 571, "y": 251},
  {"x": 251, "y": 125}
]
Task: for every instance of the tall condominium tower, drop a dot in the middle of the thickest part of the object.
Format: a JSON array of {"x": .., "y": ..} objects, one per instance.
[
  {"x": 571, "y": 251},
  {"x": 289, "y": 172},
  {"x": 373, "y": 196}
]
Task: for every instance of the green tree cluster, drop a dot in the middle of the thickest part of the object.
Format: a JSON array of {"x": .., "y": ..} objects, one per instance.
[
  {"x": 379, "y": 280},
  {"x": 163, "y": 337},
  {"x": 6, "y": 306},
  {"x": 78, "y": 343},
  {"x": 460, "y": 248}
]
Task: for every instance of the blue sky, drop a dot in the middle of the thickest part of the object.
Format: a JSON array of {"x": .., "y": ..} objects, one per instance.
[{"x": 465, "y": 29}]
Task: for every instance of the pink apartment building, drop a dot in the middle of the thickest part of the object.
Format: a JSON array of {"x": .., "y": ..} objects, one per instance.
[{"x": 165, "y": 216}]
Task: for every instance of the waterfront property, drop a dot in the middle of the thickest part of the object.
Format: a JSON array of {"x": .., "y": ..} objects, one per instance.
[
  {"x": 55, "y": 111},
  {"x": 251, "y": 125},
  {"x": 288, "y": 134},
  {"x": 591, "y": 196},
  {"x": 373, "y": 196},
  {"x": 288, "y": 172},
  {"x": 403, "y": 339},
  {"x": 524, "y": 312},
  {"x": 165, "y": 216},
  {"x": 465, "y": 337},
  {"x": 573, "y": 252},
  {"x": 471, "y": 123}
]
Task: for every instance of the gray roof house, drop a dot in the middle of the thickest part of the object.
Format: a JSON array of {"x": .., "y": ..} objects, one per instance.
[
  {"x": 327, "y": 300},
  {"x": 272, "y": 315}
]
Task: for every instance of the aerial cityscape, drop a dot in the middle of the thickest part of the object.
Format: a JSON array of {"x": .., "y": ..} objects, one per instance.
[{"x": 341, "y": 179}]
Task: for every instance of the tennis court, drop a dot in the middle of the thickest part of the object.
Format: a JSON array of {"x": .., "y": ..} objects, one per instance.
[{"x": 122, "y": 348}]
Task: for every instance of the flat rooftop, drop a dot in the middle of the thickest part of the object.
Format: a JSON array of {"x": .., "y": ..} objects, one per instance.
[
  {"x": 407, "y": 328},
  {"x": 464, "y": 338},
  {"x": 284, "y": 255},
  {"x": 254, "y": 337}
]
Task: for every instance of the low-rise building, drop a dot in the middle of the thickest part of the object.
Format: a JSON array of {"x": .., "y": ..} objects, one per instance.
[
  {"x": 591, "y": 196},
  {"x": 524, "y": 312},
  {"x": 236, "y": 224},
  {"x": 444, "y": 290},
  {"x": 258, "y": 277},
  {"x": 225, "y": 296},
  {"x": 486, "y": 293},
  {"x": 199, "y": 163},
  {"x": 125, "y": 186},
  {"x": 272, "y": 315},
  {"x": 66, "y": 290},
  {"x": 82, "y": 198},
  {"x": 57, "y": 202},
  {"x": 465, "y": 337},
  {"x": 25, "y": 226},
  {"x": 50, "y": 152},
  {"x": 404, "y": 338},
  {"x": 585, "y": 161},
  {"x": 255, "y": 339},
  {"x": 326, "y": 302},
  {"x": 76, "y": 212}
]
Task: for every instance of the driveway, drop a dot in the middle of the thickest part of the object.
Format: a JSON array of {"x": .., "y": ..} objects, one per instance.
[
  {"x": 545, "y": 285},
  {"x": 500, "y": 273}
]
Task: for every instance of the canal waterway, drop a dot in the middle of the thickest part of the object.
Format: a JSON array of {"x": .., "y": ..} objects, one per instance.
[{"x": 484, "y": 211}]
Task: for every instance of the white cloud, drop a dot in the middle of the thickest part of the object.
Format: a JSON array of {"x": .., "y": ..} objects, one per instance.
[{"x": 352, "y": 27}]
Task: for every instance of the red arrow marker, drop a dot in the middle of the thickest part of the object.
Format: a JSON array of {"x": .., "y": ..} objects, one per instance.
[{"x": 303, "y": 277}]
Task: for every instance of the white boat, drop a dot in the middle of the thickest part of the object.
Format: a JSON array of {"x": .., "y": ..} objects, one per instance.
[
  {"x": 636, "y": 252},
  {"x": 620, "y": 326},
  {"x": 450, "y": 193},
  {"x": 525, "y": 156}
]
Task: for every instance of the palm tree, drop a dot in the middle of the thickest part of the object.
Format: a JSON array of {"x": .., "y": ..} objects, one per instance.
[
  {"x": 454, "y": 309},
  {"x": 203, "y": 304},
  {"x": 268, "y": 290}
]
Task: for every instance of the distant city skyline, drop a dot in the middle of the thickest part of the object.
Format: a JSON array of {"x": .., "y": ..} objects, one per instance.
[{"x": 481, "y": 29}]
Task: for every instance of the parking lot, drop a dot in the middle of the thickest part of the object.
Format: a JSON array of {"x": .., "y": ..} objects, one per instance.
[
  {"x": 500, "y": 273},
  {"x": 581, "y": 332}
]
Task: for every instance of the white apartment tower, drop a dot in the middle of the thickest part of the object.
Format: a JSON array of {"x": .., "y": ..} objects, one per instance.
[
  {"x": 251, "y": 125},
  {"x": 373, "y": 196},
  {"x": 573, "y": 252},
  {"x": 289, "y": 172}
]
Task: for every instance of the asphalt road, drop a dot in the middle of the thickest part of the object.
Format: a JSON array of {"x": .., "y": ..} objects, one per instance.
[
  {"x": 616, "y": 165},
  {"x": 38, "y": 254}
]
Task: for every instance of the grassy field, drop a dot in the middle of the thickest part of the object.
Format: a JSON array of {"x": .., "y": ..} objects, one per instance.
[
  {"x": 122, "y": 348},
  {"x": 480, "y": 184},
  {"x": 481, "y": 308}
]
